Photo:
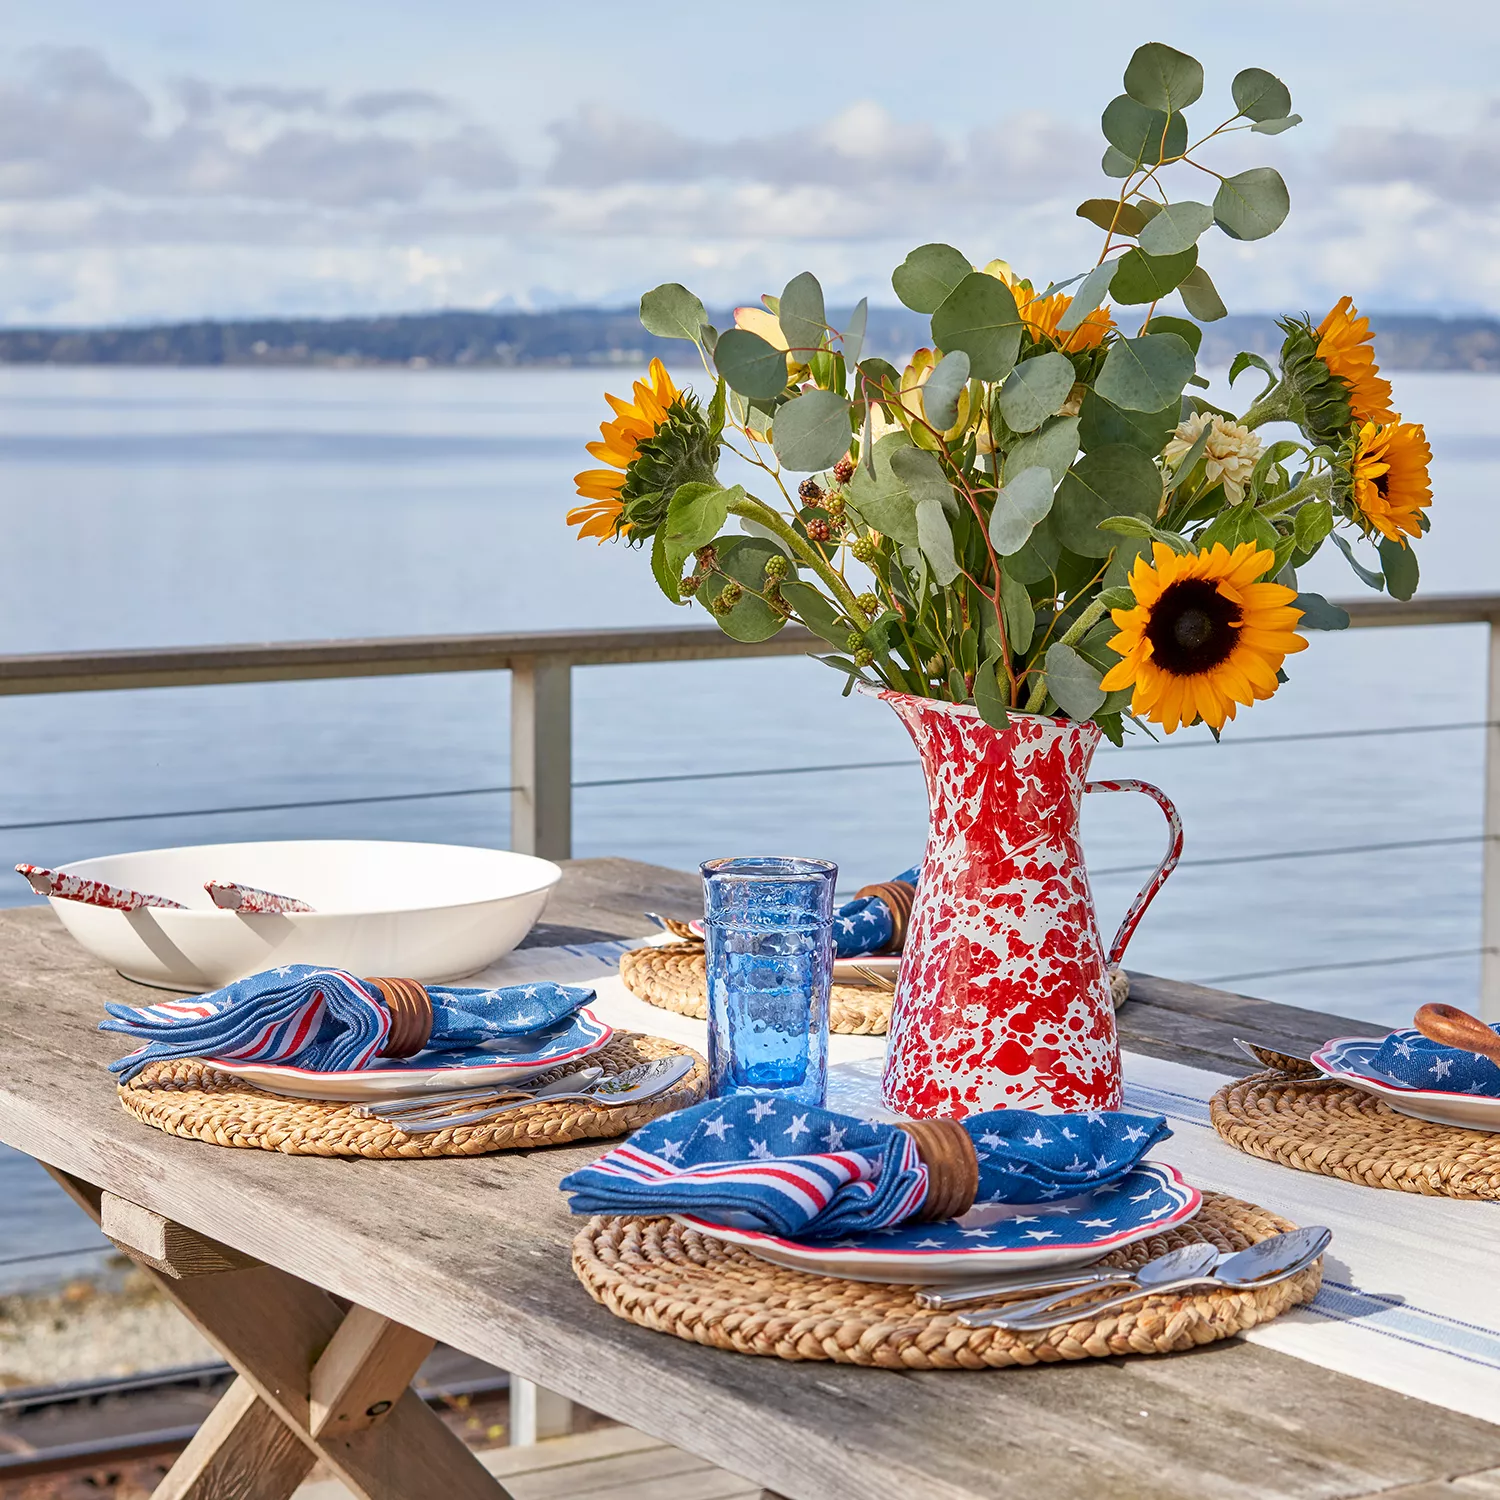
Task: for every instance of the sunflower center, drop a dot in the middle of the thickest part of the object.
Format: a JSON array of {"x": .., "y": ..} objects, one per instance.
[{"x": 1193, "y": 627}]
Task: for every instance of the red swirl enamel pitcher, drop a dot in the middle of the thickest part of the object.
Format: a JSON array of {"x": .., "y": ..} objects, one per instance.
[{"x": 1003, "y": 998}]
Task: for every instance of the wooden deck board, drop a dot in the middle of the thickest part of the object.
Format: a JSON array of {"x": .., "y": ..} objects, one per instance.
[{"x": 475, "y": 1253}]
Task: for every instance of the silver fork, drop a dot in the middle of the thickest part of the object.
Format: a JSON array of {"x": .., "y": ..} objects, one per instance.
[{"x": 412, "y": 1106}]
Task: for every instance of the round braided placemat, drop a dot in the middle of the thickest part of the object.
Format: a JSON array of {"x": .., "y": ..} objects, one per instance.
[
  {"x": 675, "y": 1280},
  {"x": 675, "y": 977},
  {"x": 1317, "y": 1125},
  {"x": 190, "y": 1098}
]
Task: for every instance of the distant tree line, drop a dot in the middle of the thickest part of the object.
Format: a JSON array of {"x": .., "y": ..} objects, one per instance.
[{"x": 592, "y": 336}]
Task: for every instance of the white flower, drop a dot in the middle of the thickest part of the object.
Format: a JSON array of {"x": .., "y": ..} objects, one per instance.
[{"x": 1230, "y": 455}]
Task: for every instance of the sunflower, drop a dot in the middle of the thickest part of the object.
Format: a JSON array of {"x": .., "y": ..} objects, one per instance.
[
  {"x": 651, "y": 440},
  {"x": 1391, "y": 484},
  {"x": 1041, "y": 315},
  {"x": 1204, "y": 634},
  {"x": 1344, "y": 346}
]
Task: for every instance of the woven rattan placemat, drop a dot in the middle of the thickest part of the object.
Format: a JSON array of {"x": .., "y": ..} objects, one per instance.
[
  {"x": 192, "y": 1099},
  {"x": 675, "y": 1280},
  {"x": 675, "y": 977},
  {"x": 1317, "y": 1125}
]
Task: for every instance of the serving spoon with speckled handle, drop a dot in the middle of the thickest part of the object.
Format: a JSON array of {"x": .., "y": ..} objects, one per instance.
[{"x": 1457, "y": 1028}]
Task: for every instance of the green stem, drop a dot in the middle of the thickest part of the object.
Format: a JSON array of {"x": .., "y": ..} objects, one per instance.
[
  {"x": 1075, "y": 633},
  {"x": 1274, "y": 406},
  {"x": 1313, "y": 487},
  {"x": 759, "y": 511}
]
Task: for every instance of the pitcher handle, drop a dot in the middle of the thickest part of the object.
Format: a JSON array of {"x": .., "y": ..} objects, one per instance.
[{"x": 1148, "y": 891}]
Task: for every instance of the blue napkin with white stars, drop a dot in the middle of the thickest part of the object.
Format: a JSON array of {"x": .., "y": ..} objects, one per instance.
[
  {"x": 756, "y": 1161},
  {"x": 864, "y": 925},
  {"x": 1417, "y": 1061},
  {"x": 325, "y": 1020}
]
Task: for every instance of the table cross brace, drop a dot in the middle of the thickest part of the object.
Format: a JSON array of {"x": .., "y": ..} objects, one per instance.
[{"x": 314, "y": 1381}]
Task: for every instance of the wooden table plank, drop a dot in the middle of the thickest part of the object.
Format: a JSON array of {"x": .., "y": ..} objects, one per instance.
[{"x": 474, "y": 1252}]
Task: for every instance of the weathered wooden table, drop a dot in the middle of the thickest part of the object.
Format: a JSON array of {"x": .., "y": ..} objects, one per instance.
[{"x": 339, "y": 1274}]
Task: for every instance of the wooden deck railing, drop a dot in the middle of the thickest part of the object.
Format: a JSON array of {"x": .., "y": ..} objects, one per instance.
[{"x": 541, "y": 728}]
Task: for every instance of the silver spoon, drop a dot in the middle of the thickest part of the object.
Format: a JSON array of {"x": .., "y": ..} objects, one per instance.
[
  {"x": 1188, "y": 1260},
  {"x": 1263, "y": 1264}
]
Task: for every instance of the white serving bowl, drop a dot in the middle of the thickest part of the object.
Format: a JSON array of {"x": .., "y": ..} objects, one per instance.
[{"x": 430, "y": 912}]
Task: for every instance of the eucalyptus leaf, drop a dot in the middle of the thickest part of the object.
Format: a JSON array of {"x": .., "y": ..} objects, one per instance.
[
  {"x": 1319, "y": 614},
  {"x": 1143, "y": 136},
  {"x": 935, "y": 537},
  {"x": 1365, "y": 575},
  {"x": 988, "y": 697},
  {"x": 1116, "y": 163},
  {"x": 1020, "y": 614},
  {"x": 1313, "y": 525},
  {"x": 1054, "y": 447},
  {"x": 1094, "y": 290},
  {"x": 1146, "y": 373},
  {"x": 880, "y": 498},
  {"x": 1259, "y": 95},
  {"x": 1148, "y": 278},
  {"x": 708, "y": 336},
  {"x": 815, "y": 611},
  {"x": 743, "y": 560},
  {"x": 1201, "y": 297},
  {"x": 1118, "y": 597},
  {"x": 854, "y": 333},
  {"x": 1253, "y": 204},
  {"x": 803, "y": 319},
  {"x": 1114, "y": 481},
  {"x": 925, "y": 278},
  {"x": 1399, "y": 564},
  {"x": 922, "y": 474},
  {"x": 812, "y": 431},
  {"x": 1018, "y": 509},
  {"x": 1036, "y": 561},
  {"x": 1275, "y": 127},
  {"x": 1112, "y": 215},
  {"x": 1073, "y": 682},
  {"x": 979, "y": 316},
  {"x": 1034, "y": 390},
  {"x": 1161, "y": 77},
  {"x": 750, "y": 365},
  {"x": 671, "y": 311},
  {"x": 941, "y": 389},
  {"x": 1176, "y": 228},
  {"x": 1190, "y": 333},
  {"x": 1102, "y": 423}
]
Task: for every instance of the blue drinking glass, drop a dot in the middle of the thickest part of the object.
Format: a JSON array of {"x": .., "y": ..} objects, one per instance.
[{"x": 768, "y": 927}]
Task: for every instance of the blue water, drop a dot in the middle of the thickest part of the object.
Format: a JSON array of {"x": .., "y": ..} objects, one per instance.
[{"x": 147, "y": 507}]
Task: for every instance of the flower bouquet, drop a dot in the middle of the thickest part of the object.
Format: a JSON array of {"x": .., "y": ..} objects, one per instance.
[
  {"x": 1036, "y": 533},
  {"x": 1039, "y": 512}
]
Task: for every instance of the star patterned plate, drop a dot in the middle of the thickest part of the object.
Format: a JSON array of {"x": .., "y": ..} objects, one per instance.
[
  {"x": 992, "y": 1237},
  {"x": 511, "y": 1060},
  {"x": 1348, "y": 1059}
]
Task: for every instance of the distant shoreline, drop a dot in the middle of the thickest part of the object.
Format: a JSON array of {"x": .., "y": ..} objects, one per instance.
[{"x": 591, "y": 337}]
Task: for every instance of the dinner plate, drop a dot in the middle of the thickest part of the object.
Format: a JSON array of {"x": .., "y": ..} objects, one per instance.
[
  {"x": 512, "y": 1060},
  {"x": 1348, "y": 1059},
  {"x": 991, "y": 1238}
]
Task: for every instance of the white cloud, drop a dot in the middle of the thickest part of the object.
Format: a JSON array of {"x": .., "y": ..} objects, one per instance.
[{"x": 122, "y": 200}]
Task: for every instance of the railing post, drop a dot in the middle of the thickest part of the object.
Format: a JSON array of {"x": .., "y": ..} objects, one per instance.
[
  {"x": 541, "y": 758},
  {"x": 1489, "y": 923}
]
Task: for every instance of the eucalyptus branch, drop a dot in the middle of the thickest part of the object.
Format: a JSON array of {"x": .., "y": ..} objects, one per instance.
[
  {"x": 1075, "y": 633},
  {"x": 757, "y": 510}
]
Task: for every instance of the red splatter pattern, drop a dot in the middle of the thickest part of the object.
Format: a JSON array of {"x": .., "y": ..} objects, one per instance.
[
  {"x": 1003, "y": 997},
  {"x": 230, "y": 895},
  {"x": 90, "y": 892}
]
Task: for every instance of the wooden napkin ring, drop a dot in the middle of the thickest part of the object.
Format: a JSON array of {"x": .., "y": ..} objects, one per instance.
[
  {"x": 411, "y": 1016},
  {"x": 898, "y": 898},
  {"x": 947, "y": 1151}
]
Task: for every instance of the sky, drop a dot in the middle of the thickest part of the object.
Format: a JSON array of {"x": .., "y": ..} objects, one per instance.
[{"x": 169, "y": 159}]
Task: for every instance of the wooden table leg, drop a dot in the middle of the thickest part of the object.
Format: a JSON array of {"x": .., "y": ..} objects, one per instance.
[{"x": 336, "y": 1383}]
